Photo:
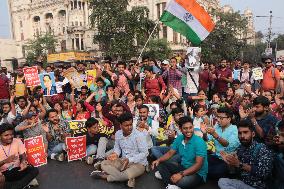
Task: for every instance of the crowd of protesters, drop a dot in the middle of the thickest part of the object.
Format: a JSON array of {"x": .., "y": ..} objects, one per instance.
[{"x": 216, "y": 121}]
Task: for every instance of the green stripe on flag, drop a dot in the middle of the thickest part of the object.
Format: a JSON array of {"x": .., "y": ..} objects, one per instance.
[{"x": 180, "y": 26}]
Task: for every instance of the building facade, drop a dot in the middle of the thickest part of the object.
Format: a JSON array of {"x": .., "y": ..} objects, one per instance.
[{"x": 69, "y": 21}]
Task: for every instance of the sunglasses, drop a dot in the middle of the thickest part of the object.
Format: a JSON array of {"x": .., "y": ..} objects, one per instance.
[{"x": 267, "y": 62}]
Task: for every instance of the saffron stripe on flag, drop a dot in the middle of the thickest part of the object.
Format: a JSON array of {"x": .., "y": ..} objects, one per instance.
[{"x": 198, "y": 12}]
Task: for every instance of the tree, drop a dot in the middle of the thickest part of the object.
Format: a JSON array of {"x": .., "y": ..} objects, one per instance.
[
  {"x": 38, "y": 49},
  {"x": 252, "y": 54},
  {"x": 223, "y": 41},
  {"x": 158, "y": 49},
  {"x": 279, "y": 40},
  {"x": 120, "y": 32}
]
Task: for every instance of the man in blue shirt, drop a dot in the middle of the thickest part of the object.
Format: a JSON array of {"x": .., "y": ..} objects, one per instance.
[
  {"x": 193, "y": 168},
  {"x": 225, "y": 138}
]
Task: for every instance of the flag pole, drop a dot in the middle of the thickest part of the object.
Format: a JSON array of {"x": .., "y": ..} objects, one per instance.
[{"x": 140, "y": 81}]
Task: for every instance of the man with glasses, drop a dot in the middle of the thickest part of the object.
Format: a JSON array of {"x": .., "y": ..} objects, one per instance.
[
  {"x": 224, "y": 135},
  {"x": 271, "y": 76}
]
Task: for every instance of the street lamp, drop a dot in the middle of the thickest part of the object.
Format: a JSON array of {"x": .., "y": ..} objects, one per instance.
[{"x": 269, "y": 29}]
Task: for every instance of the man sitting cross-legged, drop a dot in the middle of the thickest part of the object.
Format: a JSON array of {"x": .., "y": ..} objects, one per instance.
[
  {"x": 193, "y": 168},
  {"x": 132, "y": 146}
]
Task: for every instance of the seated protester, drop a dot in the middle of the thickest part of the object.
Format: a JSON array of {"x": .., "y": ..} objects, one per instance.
[
  {"x": 32, "y": 127},
  {"x": 139, "y": 100},
  {"x": 225, "y": 138},
  {"x": 83, "y": 94},
  {"x": 131, "y": 145},
  {"x": 20, "y": 107},
  {"x": 130, "y": 101},
  {"x": 37, "y": 106},
  {"x": 169, "y": 97},
  {"x": 79, "y": 109},
  {"x": 58, "y": 130},
  {"x": 264, "y": 122},
  {"x": 92, "y": 138},
  {"x": 147, "y": 125},
  {"x": 199, "y": 117},
  {"x": 13, "y": 160},
  {"x": 200, "y": 99},
  {"x": 66, "y": 111},
  {"x": 213, "y": 114},
  {"x": 9, "y": 111},
  {"x": 193, "y": 168},
  {"x": 109, "y": 94},
  {"x": 100, "y": 88},
  {"x": 253, "y": 160}
]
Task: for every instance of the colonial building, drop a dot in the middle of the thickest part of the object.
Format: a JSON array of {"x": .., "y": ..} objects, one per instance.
[{"x": 69, "y": 21}]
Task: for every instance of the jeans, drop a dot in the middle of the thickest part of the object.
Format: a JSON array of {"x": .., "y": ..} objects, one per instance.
[
  {"x": 159, "y": 151},
  {"x": 103, "y": 145},
  {"x": 169, "y": 168},
  {"x": 226, "y": 183},
  {"x": 217, "y": 168},
  {"x": 91, "y": 149},
  {"x": 56, "y": 149}
]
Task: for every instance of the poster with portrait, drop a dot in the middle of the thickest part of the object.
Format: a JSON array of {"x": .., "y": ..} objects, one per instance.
[
  {"x": 91, "y": 75},
  {"x": 154, "y": 111},
  {"x": 193, "y": 57},
  {"x": 47, "y": 82},
  {"x": 74, "y": 77}
]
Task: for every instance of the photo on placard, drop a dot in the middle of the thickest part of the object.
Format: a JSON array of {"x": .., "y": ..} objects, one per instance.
[
  {"x": 48, "y": 85},
  {"x": 154, "y": 110}
]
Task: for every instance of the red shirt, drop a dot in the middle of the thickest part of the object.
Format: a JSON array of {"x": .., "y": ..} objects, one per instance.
[
  {"x": 154, "y": 86},
  {"x": 4, "y": 87},
  {"x": 220, "y": 84},
  {"x": 204, "y": 79}
]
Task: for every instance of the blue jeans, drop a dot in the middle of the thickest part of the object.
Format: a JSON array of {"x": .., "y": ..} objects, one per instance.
[
  {"x": 91, "y": 149},
  {"x": 159, "y": 151},
  {"x": 169, "y": 168},
  {"x": 56, "y": 149}
]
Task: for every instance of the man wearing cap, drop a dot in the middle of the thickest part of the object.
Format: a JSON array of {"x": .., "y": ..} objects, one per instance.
[{"x": 32, "y": 127}]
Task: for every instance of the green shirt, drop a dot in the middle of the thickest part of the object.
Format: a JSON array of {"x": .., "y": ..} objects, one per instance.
[{"x": 188, "y": 152}]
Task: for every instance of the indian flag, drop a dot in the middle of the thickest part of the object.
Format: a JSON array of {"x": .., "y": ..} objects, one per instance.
[{"x": 188, "y": 18}]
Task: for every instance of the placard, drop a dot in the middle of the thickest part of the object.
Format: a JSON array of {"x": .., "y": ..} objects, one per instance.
[
  {"x": 47, "y": 82},
  {"x": 36, "y": 154},
  {"x": 74, "y": 77},
  {"x": 91, "y": 75},
  {"x": 257, "y": 73},
  {"x": 193, "y": 57},
  {"x": 77, "y": 127},
  {"x": 31, "y": 76},
  {"x": 76, "y": 148},
  {"x": 154, "y": 111}
]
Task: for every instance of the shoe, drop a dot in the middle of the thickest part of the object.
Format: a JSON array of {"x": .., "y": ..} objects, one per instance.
[
  {"x": 34, "y": 182},
  {"x": 172, "y": 187},
  {"x": 131, "y": 183},
  {"x": 98, "y": 174},
  {"x": 158, "y": 175},
  {"x": 98, "y": 163},
  {"x": 59, "y": 157},
  {"x": 89, "y": 160}
]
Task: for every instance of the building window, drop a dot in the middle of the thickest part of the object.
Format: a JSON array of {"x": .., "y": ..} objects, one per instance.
[
  {"x": 158, "y": 11},
  {"x": 22, "y": 37},
  {"x": 75, "y": 4},
  {"x": 71, "y": 5},
  {"x": 76, "y": 23},
  {"x": 63, "y": 30},
  {"x": 80, "y": 23},
  {"x": 163, "y": 6},
  {"x": 175, "y": 37},
  {"x": 73, "y": 44},
  {"x": 165, "y": 32},
  {"x": 79, "y": 3}
]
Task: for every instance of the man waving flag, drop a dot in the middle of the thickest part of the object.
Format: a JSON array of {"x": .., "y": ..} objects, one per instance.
[{"x": 188, "y": 18}]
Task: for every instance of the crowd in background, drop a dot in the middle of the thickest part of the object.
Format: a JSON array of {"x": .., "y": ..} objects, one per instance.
[{"x": 215, "y": 121}]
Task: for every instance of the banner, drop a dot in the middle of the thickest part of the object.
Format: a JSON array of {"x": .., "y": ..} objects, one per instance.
[
  {"x": 31, "y": 76},
  {"x": 257, "y": 73},
  {"x": 47, "y": 81},
  {"x": 77, "y": 127},
  {"x": 91, "y": 75},
  {"x": 76, "y": 148},
  {"x": 36, "y": 154}
]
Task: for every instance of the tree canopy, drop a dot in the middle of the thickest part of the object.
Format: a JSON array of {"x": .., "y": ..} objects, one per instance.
[{"x": 120, "y": 32}]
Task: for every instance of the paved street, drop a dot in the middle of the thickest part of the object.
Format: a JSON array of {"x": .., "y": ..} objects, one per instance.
[{"x": 75, "y": 175}]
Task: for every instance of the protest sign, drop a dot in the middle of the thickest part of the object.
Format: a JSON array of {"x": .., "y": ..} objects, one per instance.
[
  {"x": 153, "y": 111},
  {"x": 77, "y": 127},
  {"x": 91, "y": 75},
  {"x": 76, "y": 148},
  {"x": 257, "y": 73},
  {"x": 31, "y": 76},
  {"x": 47, "y": 82},
  {"x": 36, "y": 154},
  {"x": 193, "y": 57},
  {"x": 74, "y": 77}
]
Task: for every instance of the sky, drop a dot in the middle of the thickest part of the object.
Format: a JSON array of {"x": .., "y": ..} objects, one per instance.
[{"x": 259, "y": 8}]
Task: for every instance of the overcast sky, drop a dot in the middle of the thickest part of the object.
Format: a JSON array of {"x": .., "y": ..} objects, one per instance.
[{"x": 259, "y": 8}]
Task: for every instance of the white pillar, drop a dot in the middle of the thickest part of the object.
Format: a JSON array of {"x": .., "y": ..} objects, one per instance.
[{"x": 80, "y": 48}]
